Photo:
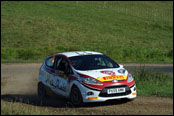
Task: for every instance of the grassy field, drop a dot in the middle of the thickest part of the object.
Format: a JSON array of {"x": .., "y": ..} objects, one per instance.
[{"x": 125, "y": 31}]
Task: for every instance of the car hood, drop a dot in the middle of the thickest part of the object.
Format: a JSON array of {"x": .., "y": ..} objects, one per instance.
[{"x": 106, "y": 74}]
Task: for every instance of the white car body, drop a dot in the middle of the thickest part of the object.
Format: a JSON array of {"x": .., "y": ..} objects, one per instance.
[{"x": 112, "y": 83}]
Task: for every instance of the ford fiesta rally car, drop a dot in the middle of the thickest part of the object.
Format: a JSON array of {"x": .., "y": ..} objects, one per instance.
[{"x": 85, "y": 76}]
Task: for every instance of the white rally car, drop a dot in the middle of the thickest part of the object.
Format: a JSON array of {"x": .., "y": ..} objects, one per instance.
[{"x": 85, "y": 76}]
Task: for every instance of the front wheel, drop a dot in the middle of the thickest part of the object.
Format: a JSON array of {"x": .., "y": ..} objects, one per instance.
[{"x": 76, "y": 97}]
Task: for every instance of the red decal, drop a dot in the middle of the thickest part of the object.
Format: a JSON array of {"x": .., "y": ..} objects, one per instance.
[{"x": 108, "y": 72}]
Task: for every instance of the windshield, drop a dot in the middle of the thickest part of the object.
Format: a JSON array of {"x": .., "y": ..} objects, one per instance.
[{"x": 92, "y": 62}]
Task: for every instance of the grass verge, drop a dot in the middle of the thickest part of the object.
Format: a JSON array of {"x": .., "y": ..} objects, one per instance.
[
  {"x": 17, "y": 108},
  {"x": 153, "y": 83}
]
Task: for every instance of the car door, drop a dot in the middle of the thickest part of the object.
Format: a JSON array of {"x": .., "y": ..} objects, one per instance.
[{"x": 61, "y": 84}]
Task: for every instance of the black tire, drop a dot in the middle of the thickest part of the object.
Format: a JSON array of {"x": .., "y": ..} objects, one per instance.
[
  {"x": 42, "y": 91},
  {"x": 76, "y": 97}
]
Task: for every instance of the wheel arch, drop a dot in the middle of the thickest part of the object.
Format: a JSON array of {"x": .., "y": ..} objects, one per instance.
[{"x": 75, "y": 83}]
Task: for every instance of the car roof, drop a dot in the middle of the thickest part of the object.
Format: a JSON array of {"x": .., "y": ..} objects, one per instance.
[{"x": 78, "y": 53}]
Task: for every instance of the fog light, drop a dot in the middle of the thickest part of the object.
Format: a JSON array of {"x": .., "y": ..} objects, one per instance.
[{"x": 90, "y": 93}]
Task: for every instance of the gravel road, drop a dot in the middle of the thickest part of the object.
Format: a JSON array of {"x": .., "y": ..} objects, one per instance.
[{"x": 20, "y": 81}]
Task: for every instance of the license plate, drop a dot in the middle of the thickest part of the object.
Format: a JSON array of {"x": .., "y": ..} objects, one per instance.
[{"x": 116, "y": 90}]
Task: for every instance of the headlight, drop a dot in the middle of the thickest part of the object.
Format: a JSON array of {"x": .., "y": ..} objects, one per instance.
[
  {"x": 89, "y": 80},
  {"x": 130, "y": 78}
]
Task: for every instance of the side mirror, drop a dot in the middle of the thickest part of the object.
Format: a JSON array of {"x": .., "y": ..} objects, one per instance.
[{"x": 121, "y": 66}]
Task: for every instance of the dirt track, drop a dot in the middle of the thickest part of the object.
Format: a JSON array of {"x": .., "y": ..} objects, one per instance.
[{"x": 20, "y": 81}]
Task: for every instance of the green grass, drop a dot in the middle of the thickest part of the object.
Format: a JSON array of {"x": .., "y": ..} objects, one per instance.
[
  {"x": 125, "y": 31},
  {"x": 14, "y": 108},
  {"x": 153, "y": 83},
  {"x": 17, "y": 108}
]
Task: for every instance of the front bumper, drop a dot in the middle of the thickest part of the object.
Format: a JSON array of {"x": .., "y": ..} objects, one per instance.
[{"x": 101, "y": 95}]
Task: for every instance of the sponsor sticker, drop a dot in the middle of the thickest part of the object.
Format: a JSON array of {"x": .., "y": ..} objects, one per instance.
[
  {"x": 113, "y": 77},
  {"x": 108, "y": 72}
]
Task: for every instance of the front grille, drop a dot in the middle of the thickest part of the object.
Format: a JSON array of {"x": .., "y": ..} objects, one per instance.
[{"x": 103, "y": 93}]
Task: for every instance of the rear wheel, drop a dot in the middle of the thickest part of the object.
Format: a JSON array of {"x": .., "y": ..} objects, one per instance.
[
  {"x": 41, "y": 91},
  {"x": 76, "y": 97}
]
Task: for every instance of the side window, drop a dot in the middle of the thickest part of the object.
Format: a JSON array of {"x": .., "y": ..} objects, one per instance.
[
  {"x": 64, "y": 66},
  {"x": 50, "y": 61},
  {"x": 58, "y": 60},
  {"x": 68, "y": 69}
]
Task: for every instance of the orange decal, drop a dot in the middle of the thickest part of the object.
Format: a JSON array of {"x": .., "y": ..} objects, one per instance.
[
  {"x": 90, "y": 98},
  {"x": 52, "y": 60}
]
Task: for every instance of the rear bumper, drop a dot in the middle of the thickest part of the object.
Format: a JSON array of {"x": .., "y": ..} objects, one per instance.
[{"x": 96, "y": 95}]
